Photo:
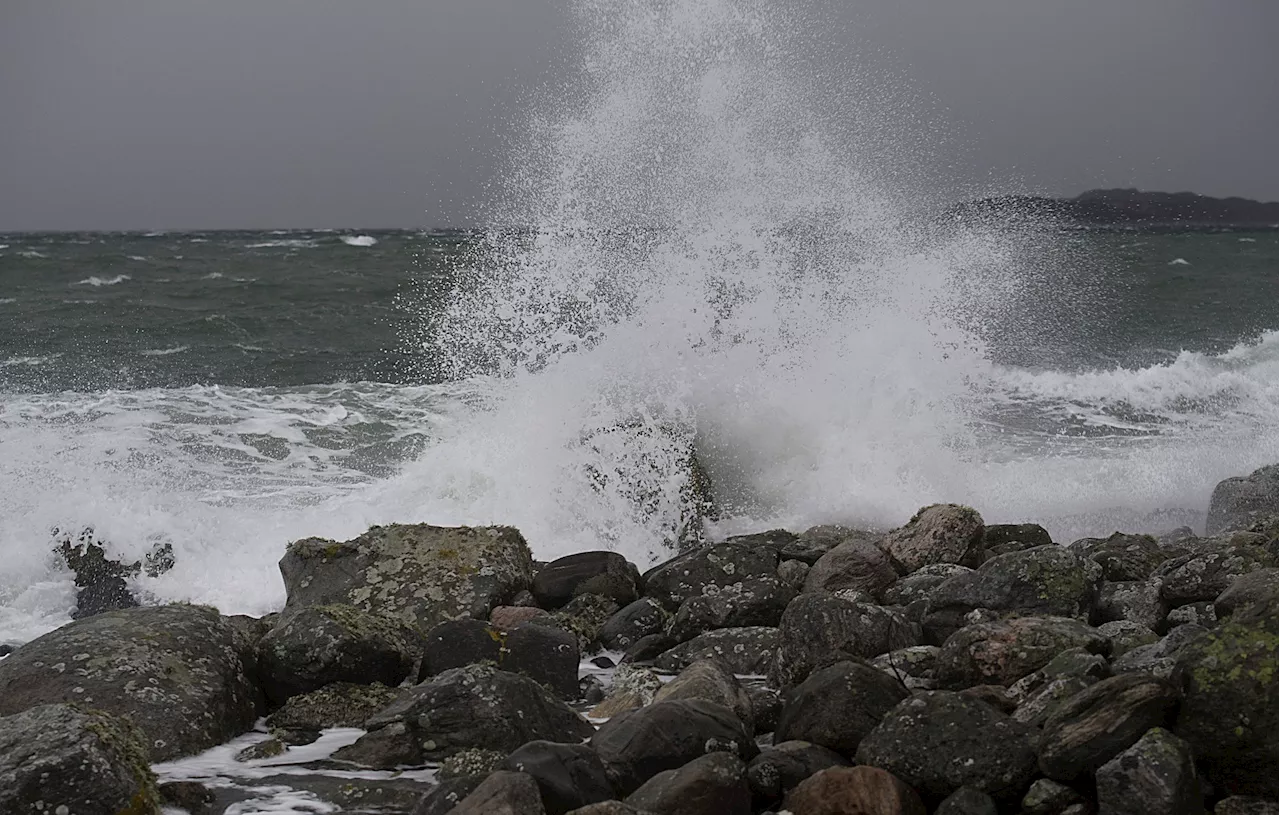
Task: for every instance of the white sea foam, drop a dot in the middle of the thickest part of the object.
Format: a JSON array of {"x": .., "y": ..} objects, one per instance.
[
  {"x": 96, "y": 281},
  {"x": 1179, "y": 262},
  {"x": 359, "y": 240},
  {"x": 1241, "y": 240},
  {"x": 292, "y": 243},
  {"x": 31, "y": 253},
  {"x": 163, "y": 352},
  {"x": 4, "y": 301}
]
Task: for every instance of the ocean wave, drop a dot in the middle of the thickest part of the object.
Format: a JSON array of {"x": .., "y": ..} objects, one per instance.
[
  {"x": 292, "y": 243},
  {"x": 1179, "y": 262},
  {"x": 96, "y": 281},
  {"x": 359, "y": 240},
  {"x": 31, "y": 253},
  {"x": 28, "y": 361},
  {"x": 7, "y": 300},
  {"x": 164, "y": 352}
]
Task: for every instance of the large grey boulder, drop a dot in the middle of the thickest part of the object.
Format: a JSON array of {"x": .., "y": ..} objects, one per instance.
[
  {"x": 176, "y": 671},
  {"x": 1048, "y": 580},
  {"x": 744, "y": 651},
  {"x": 853, "y": 790},
  {"x": 1004, "y": 651},
  {"x": 855, "y": 564},
  {"x": 1238, "y": 502},
  {"x": 919, "y": 585},
  {"x": 938, "y": 742},
  {"x": 710, "y": 681},
  {"x": 1205, "y": 575},
  {"x": 342, "y": 704},
  {"x": 639, "y": 744},
  {"x": 817, "y": 628},
  {"x": 1136, "y": 601},
  {"x": 782, "y": 765},
  {"x": 473, "y": 707},
  {"x": 313, "y": 647},
  {"x": 1156, "y": 776},
  {"x": 544, "y": 653},
  {"x": 502, "y": 793},
  {"x": 420, "y": 573},
  {"x": 568, "y": 775},
  {"x": 717, "y": 566},
  {"x": 941, "y": 533},
  {"x": 635, "y": 620},
  {"x": 714, "y": 784},
  {"x": 1122, "y": 557},
  {"x": 752, "y": 601},
  {"x": 836, "y": 707},
  {"x": 606, "y": 573},
  {"x": 62, "y": 759}
]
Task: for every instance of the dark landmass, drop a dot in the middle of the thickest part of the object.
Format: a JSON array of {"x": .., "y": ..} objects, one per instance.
[{"x": 1123, "y": 208}]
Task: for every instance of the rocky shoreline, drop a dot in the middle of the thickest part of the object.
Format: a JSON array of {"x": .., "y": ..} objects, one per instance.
[{"x": 947, "y": 666}]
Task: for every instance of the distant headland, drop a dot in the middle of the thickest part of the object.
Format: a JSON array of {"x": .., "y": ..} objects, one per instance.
[{"x": 1125, "y": 208}]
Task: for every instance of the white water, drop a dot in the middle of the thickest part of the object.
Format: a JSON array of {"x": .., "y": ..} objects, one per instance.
[{"x": 710, "y": 259}]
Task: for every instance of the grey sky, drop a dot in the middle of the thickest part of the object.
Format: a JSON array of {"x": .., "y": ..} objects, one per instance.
[{"x": 135, "y": 114}]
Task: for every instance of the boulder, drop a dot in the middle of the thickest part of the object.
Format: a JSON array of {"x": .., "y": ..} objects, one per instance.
[
  {"x": 1255, "y": 591},
  {"x": 59, "y": 759},
  {"x": 631, "y": 688},
  {"x": 502, "y": 793},
  {"x": 1160, "y": 658},
  {"x": 176, "y": 671},
  {"x": 1201, "y": 614},
  {"x": 1246, "y": 805},
  {"x": 862, "y": 790},
  {"x": 1048, "y": 797},
  {"x": 781, "y": 766},
  {"x": 919, "y": 585},
  {"x": 545, "y": 654},
  {"x": 854, "y": 564},
  {"x": 941, "y": 533},
  {"x": 1238, "y": 502},
  {"x": 837, "y": 706},
  {"x": 710, "y": 681},
  {"x": 1000, "y": 538},
  {"x": 445, "y": 795},
  {"x": 816, "y": 541},
  {"x": 1005, "y": 651},
  {"x": 1095, "y": 725},
  {"x": 753, "y": 601},
  {"x": 639, "y": 744},
  {"x": 568, "y": 775},
  {"x": 766, "y": 707},
  {"x": 1205, "y": 575},
  {"x": 714, "y": 784},
  {"x": 342, "y": 704},
  {"x": 793, "y": 573},
  {"x": 649, "y": 647},
  {"x": 608, "y": 808},
  {"x": 1156, "y": 776},
  {"x": 915, "y": 667},
  {"x": 691, "y": 574},
  {"x": 938, "y": 741},
  {"x": 313, "y": 647},
  {"x": 1229, "y": 706},
  {"x": 1122, "y": 557},
  {"x": 604, "y": 573},
  {"x": 505, "y": 618},
  {"x": 1137, "y": 601},
  {"x": 1125, "y": 636},
  {"x": 585, "y": 616},
  {"x": 635, "y": 620},
  {"x": 473, "y": 707},
  {"x": 816, "y": 628},
  {"x": 1047, "y": 580},
  {"x": 420, "y": 573},
  {"x": 744, "y": 651},
  {"x": 967, "y": 801}
]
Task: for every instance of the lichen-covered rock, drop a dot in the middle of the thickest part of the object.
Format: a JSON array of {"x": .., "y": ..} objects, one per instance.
[
  {"x": 968, "y": 801},
  {"x": 839, "y": 790},
  {"x": 781, "y": 766},
  {"x": 637, "y": 745},
  {"x": 920, "y": 584},
  {"x": 816, "y": 628},
  {"x": 938, "y": 741},
  {"x": 604, "y": 573},
  {"x": 635, "y": 620},
  {"x": 723, "y": 564},
  {"x": 546, "y": 654},
  {"x": 471, "y": 762},
  {"x": 502, "y": 793},
  {"x": 473, "y": 707},
  {"x": 710, "y": 681},
  {"x": 915, "y": 667},
  {"x": 838, "y": 706},
  {"x": 176, "y": 671},
  {"x": 444, "y": 796},
  {"x": 1095, "y": 725},
  {"x": 1246, "y": 805},
  {"x": 1122, "y": 557},
  {"x": 420, "y": 573},
  {"x": 855, "y": 564},
  {"x": 1126, "y": 635},
  {"x": 1238, "y": 502},
  {"x": 63, "y": 759},
  {"x": 1003, "y": 652},
  {"x": 1137, "y": 601},
  {"x": 1048, "y": 797},
  {"x": 816, "y": 541},
  {"x": 1201, "y": 614},
  {"x": 585, "y": 616},
  {"x": 714, "y": 784},
  {"x": 1156, "y": 776},
  {"x": 504, "y": 618},
  {"x": 1039, "y": 692},
  {"x": 568, "y": 775},
  {"x": 941, "y": 533},
  {"x": 793, "y": 573},
  {"x": 1205, "y": 575},
  {"x": 1048, "y": 580},
  {"x": 1001, "y": 538},
  {"x": 313, "y": 647},
  {"x": 1160, "y": 658},
  {"x": 1229, "y": 707},
  {"x": 747, "y": 651},
  {"x": 632, "y": 688},
  {"x": 341, "y": 704},
  {"x": 753, "y": 601}
]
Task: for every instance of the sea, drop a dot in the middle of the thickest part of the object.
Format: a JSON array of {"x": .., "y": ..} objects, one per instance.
[{"x": 691, "y": 252}]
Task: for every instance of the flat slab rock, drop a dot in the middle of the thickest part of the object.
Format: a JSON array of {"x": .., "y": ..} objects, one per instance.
[{"x": 420, "y": 573}]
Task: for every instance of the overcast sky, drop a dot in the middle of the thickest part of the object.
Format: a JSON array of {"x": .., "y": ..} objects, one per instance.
[{"x": 141, "y": 114}]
